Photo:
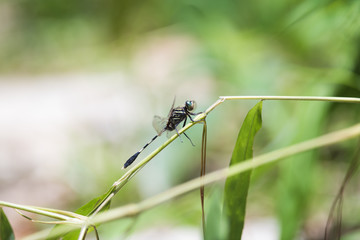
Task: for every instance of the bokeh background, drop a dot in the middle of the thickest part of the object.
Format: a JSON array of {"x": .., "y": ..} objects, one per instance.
[{"x": 81, "y": 80}]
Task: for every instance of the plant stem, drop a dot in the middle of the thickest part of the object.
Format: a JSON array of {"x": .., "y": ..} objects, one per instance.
[
  {"x": 270, "y": 157},
  {"x": 133, "y": 209},
  {"x": 45, "y": 212},
  {"x": 129, "y": 174},
  {"x": 298, "y": 98}
]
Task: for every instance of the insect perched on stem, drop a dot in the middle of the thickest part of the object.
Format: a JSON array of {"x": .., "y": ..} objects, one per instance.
[{"x": 169, "y": 124}]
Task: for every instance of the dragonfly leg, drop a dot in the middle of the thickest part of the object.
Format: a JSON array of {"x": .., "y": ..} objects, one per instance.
[
  {"x": 189, "y": 139},
  {"x": 186, "y": 134},
  {"x": 185, "y": 122},
  {"x": 179, "y": 135},
  {"x": 189, "y": 115}
]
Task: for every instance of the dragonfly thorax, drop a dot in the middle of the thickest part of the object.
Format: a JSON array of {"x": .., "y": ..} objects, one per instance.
[{"x": 177, "y": 116}]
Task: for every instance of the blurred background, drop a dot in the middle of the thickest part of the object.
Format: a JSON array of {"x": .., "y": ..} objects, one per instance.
[{"x": 81, "y": 80}]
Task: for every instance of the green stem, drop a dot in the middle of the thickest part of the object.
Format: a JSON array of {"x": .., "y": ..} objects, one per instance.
[
  {"x": 321, "y": 141},
  {"x": 129, "y": 174},
  {"x": 133, "y": 209},
  {"x": 298, "y": 98},
  {"x": 68, "y": 217}
]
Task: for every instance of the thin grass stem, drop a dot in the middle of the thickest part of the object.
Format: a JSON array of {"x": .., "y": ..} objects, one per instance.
[{"x": 270, "y": 157}]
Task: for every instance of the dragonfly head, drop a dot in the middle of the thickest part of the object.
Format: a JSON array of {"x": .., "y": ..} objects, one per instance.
[{"x": 190, "y": 105}]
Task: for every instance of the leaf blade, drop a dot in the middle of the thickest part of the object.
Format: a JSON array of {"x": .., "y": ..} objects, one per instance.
[
  {"x": 6, "y": 231},
  {"x": 85, "y": 210},
  {"x": 236, "y": 187},
  {"x": 215, "y": 229}
]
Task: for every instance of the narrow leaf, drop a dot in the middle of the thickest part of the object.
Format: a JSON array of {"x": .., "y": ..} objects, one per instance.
[
  {"x": 6, "y": 232},
  {"x": 89, "y": 207},
  {"x": 85, "y": 210},
  {"x": 202, "y": 174},
  {"x": 215, "y": 229},
  {"x": 236, "y": 187}
]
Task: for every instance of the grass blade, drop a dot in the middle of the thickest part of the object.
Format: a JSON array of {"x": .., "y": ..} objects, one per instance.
[
  {"x": 84, "y": 210},
  {"x": 236, "y": 187},
  {"x": 333, "y": 226},
  {"x": 202, "y": 174},
  {"x": 215, "y": 229},
  {"x": 6, "y": 232}
]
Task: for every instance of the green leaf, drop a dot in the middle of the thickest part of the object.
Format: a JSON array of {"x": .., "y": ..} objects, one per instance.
[
  {"x": 85, "y": 210},
  {"x": 89, "y": 207},
  {"x": 6, "y": 232},
  {"x": 236, "y": 187},
  {"x": 215, "y": 228}
]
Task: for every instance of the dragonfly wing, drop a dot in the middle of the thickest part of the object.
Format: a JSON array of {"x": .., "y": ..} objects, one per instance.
[
  {"x": 169, "y": 134},
  {"x": 172, "y": 107},
  {"x": 159, "y": 124}
]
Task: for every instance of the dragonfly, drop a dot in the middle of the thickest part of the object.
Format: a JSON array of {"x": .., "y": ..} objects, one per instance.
[{"x": 169, "y": 124}]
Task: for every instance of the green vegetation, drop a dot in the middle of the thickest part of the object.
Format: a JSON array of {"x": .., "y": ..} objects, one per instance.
[{"x": 212, "y": 48}]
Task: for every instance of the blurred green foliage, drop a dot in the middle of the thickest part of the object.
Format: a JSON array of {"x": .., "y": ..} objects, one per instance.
[
  {"x": 257, "y": 47},
  {"x": 232, "y": 34}
]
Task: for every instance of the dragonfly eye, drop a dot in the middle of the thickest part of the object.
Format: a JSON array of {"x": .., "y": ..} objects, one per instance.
[{"x": 190, "y": 105}]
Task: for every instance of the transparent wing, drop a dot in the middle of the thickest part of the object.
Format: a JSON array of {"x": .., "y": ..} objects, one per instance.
[
  {"x": 172, "y": 107},
  {"x": 169, "y": 134},
  {"x": 159, "y": 124}
]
